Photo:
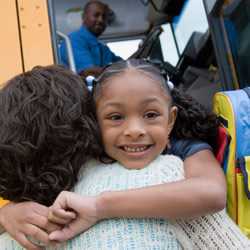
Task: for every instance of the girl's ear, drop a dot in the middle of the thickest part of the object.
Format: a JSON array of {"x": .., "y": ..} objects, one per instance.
[{"x": 172, "y": 117}]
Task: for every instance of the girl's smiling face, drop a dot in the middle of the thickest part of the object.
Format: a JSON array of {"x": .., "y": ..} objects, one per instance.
[{"x": 135, "y": 117}]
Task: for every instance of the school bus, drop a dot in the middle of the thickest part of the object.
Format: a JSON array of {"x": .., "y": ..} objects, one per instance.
[
  {"x": 203, "y": 44},
  {"x": 196, "y": 38}
]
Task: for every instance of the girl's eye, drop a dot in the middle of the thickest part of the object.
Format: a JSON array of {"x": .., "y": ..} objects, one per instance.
[
  {"x": 115, "y": 117},
  {"x": 151, "y": 115}
]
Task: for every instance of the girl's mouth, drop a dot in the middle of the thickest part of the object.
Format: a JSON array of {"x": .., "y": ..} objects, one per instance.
[{"x": 135, "y": 149}]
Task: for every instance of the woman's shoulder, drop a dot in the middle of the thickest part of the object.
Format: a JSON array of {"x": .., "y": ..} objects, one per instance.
[
  {"x": 171, "y": 167},
  {"x": 169, "y": 159},
  {"x": 187, "y": 147}
]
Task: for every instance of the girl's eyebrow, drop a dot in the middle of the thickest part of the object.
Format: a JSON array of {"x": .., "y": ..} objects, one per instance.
[
  {"x": 117, "y": 104},
  {"x": 111, "y": 104},
  {"x": 150, "y": 99}
]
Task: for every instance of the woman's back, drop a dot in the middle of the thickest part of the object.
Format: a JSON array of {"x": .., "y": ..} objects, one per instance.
[
  {"x": 137, "y": 234},
  {"x": 214, "y": 231}
]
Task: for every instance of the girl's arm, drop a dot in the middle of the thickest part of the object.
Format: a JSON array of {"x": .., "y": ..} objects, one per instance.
[
  {"x": 27, "y": 219},
  {"x": 203, "y": 191}
]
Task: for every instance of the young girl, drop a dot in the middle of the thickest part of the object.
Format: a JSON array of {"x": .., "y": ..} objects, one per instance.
[
  {"x": 136, "y": 114},
  {"x": 171, "y": 200}
]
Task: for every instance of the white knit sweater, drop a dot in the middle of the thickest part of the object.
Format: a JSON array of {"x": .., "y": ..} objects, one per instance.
[{"x": 214, "y": 231}]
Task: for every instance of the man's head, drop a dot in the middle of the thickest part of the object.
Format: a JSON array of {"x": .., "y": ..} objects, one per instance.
[{"x": 95, "y": 17}]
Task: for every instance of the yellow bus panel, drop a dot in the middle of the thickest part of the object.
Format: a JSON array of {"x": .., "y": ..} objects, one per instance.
[
  {"x": 35, "y": 33},
  {"x": 10, "y": 49}
]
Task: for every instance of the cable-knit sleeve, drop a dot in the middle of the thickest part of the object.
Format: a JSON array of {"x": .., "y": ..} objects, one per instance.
[
  {"x": 214, "y": 231},
  {"x": 171, "y": 168}
]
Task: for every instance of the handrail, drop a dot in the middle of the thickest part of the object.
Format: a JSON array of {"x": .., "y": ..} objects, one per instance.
[
  {"x": 72, "y": 65},
  {"x": 51, "y": 11}
]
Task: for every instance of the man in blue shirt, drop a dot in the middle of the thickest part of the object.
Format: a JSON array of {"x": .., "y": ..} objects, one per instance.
[{"x": 90, "y": 55}]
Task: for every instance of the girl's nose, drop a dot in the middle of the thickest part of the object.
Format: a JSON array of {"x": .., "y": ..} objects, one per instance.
[{"x": 134, "y": 129}]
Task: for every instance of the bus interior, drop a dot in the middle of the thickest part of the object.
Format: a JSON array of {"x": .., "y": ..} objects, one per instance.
[
  {"x": 185, "y": 37},
  {"x": 201, "y": 44}
]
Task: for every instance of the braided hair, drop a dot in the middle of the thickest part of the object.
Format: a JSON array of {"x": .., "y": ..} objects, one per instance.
[{"x": 193, "y": 120}]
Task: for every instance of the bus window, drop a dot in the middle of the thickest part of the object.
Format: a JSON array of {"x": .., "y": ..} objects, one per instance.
[
  {"x": 237, "y": 18},
  {"x": 125, "y": 49},
  {"x": 192, "y": 18},
  {"x": 168, "y": 46}
]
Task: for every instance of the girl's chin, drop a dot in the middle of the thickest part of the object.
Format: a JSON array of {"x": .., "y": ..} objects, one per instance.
[{"x": 135, "y": 165}]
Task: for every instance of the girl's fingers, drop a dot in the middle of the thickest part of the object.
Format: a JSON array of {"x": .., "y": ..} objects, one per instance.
[
  {"x": 60, "y": 216},
  {"x": 61, "y": 221},
  {"x": 64, "y": 234},
  {"x": 71, "y": 230},
  {"x": 64, "y": 213},
  {"x": 61, "y": 213}
]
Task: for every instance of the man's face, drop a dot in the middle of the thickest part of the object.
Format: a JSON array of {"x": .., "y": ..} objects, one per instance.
[{"x": 95, "y": 19}]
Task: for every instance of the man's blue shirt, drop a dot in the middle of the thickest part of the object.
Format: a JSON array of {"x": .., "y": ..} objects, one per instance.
[{"x": 87, "y": 51}]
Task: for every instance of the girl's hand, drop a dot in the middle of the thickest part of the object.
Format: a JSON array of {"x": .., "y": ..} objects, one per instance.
[
  {"x": 61, "y": 216},
  {"x": 84, "y": 215},
  {"x": 27, "y": 220}
]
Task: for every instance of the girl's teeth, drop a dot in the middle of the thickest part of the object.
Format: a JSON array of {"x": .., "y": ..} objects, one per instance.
[{"x": 138, "y": 149}]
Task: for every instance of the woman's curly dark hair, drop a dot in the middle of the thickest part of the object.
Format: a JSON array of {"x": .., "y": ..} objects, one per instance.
[
  {"x": 47, "y": 132},
  {"x": 193, "y": 120}
]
